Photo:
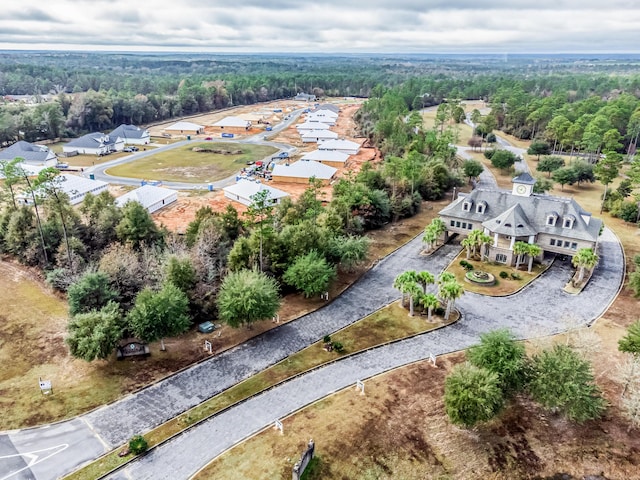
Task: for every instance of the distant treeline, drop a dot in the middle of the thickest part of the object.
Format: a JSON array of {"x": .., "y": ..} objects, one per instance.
[{"x": 95, "y": 91}]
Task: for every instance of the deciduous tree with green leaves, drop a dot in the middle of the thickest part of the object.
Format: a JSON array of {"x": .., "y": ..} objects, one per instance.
[
  {"x": 311, "y": 274},
  {"x": 247, "y": 296},
  {"x": 472, "y": 395},
  {"x": 91, "y": 292},
  {"x": 500, "y": 353},
  {"x": 95, "y": 334},
  {"x": 550, "y": 164},
  {"x": 156, "y": 315},
  {"x": 563, "y": 383}
]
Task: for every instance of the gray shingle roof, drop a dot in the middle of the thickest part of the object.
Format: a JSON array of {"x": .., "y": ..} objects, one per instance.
[
  {"x": 93, "y": 140},
  {"x": 524, "y": 178},
  {"x": 534, "y": 209},
  {"x": 26, "y": 150},
  {"x": 512, "y": 222},
  {"x": 129, "y": 131}
]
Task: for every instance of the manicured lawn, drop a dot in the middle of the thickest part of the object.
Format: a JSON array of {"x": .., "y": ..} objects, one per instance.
[
  {"x": 183, "y": 164},
  {"x": 388, "y": 324}
]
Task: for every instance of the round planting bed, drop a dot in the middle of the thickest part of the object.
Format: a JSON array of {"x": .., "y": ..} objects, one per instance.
[{"x": 479, "y": 277}]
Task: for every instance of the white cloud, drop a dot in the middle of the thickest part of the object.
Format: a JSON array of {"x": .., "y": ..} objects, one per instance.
[{"x": 329, "y": 26}]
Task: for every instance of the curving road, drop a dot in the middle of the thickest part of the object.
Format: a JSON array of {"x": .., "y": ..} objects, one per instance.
[
  {"x": 99, "y": 171},
  {"x": 539, "y": 309}
]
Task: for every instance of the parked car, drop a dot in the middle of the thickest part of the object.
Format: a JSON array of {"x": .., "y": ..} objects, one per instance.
[
  {"x": 209, "y": 138},
  {"x": 127, "y": 149},
  {"x": 62, "y": 166}
]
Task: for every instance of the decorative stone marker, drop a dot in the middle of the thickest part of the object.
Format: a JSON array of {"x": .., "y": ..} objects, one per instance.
[{"x": 307, "y": 456}]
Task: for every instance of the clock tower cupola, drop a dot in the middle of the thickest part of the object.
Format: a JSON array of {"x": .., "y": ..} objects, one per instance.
[{"x": 523, "y": 185}]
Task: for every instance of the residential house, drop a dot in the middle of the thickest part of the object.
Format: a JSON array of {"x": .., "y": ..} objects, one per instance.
[
  {"x": 96, "y": 143},
  {"x": 333, "y": 158},
  {"x": 341, "y": 145},
  {"x": 302, "y": 170},
  {"x": 235, "y": 125},
  {"x": 305, "y": 97},
  {"x": 132, "y": 135},
  {"x": 37, "y": 155},
  {"x": 74, "y": 186},
  {"x": 556, "y": 224},
  {"x": 307, "y": 126},
  {"x": 244, "y": 190},
  {"x": 184, "y": 128},
  {"x": 150, "y": 197},
  {"x": 317, "y": 136},
  {"x": 327, "y": 107}
]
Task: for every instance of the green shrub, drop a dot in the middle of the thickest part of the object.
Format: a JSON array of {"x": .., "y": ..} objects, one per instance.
[
  {"x": 488, "y": 154},
  {"x": 504, "y": 274},
  {"x": 439, "y": 311},
  {"x": 326, "y": 339},
  {"x": 138, "y": 445},
  {"x": 515, "y": 276},
  {"x": 468, "y": 267},
  {"x": 338, "y": 347},
  {"x": 464, "y": 263}
]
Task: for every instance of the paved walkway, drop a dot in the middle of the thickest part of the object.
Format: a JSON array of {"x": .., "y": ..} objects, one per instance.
[{"x": 541, "y": 308}]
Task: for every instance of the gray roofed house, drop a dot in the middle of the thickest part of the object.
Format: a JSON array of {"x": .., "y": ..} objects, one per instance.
[
  {"x": 31, "y": 153},
  {"x": 132, "y": 134},
  {"x": 327, "y": 106},
  {"x": 95, "y": 143},
  {"x": 556, "y": 224},
  {"x": 305, "y": 97}
]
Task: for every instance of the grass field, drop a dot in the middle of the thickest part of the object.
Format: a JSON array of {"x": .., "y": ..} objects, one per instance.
[
  {"x": 185, "y": 165},
  {"x": 463, "y": 130}
]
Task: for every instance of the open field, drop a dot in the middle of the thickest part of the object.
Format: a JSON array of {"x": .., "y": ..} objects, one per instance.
[
  {"x": 183, "y": 164},
  {"x": 464, "y": 132},
  {"x": 388, "y": 324}
]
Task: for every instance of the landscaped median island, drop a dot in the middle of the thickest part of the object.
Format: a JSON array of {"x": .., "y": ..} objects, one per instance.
[
  {"x": 500, "y": 280},
  {"x": 388, "y": 324},
  {"x": 197, "y": 162}
]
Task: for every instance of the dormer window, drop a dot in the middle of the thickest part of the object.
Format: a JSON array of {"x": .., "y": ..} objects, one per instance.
[
  {"x": 568, "y": 221},
  {"x": 551, "y": 219},
  {"x": 466, "y": 206},
  {"x": 481, "y": 207}
]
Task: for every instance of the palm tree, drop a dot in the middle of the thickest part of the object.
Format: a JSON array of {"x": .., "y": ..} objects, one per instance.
[
  {"x": 483, "y": 241},
  {"x": 445, "y": 277},
  {"x": 467, "y": 243},
  {"x": 473, "y": 238},
  {"x": 449, "y": 292},
  {"x": 425, "y": 278},
  {"x": 438, "y": 226},
  {"x": 429, "y": 301},
  {"x": 414, "y": 291},
  {"x": 520, "y": 249},
  {"x": 533, "y": 251},
  {"x": 403, "y": 283},
  {"x": 429, "y": 237},
  {"x": 583, "y": 259}
]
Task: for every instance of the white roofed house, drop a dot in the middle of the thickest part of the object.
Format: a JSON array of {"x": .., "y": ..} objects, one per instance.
[
  {"x": 307, "y": 126},
  {"x": 316, "y": 136},
  {"x": 302, "y": 170},
  {"x": 32, "y": 154},
  {"x": 327, "y": 107},
  {"x": 341, "y": 145},
  {"x": 150, "y": 197},
  {"x": 74, "y": 186},
  {"x": 321, "y": 118},
  {"x": 244, "y": 190},
  {"x": 184, "y": 128},
  {"x": 96, "y": 143},
  {"x": 232, "y": 125},
  {"x": 556, "y": 224},
  {"x": 333, "y": 158},
  {"x": 132, "y": 135}
]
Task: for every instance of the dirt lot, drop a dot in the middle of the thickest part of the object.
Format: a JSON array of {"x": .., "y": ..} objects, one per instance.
[{"x": 176, "y": 217}]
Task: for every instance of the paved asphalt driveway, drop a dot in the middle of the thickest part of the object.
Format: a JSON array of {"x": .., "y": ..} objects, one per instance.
[
  {"x": 542, "y": 308},
  {"x": 539, "y": 309}
]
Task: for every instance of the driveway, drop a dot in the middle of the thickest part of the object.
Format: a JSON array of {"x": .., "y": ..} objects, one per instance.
[{"x": 539, "y": 309}]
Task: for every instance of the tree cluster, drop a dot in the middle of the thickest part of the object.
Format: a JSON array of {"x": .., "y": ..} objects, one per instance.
[{"x": 559, "y": 379}]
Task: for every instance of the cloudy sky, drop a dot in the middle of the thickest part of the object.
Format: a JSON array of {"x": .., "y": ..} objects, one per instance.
[{"x": 427, "y": 26}]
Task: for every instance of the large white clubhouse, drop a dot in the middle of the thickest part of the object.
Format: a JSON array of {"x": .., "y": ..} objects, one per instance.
[{"x": 556, "y": 224}]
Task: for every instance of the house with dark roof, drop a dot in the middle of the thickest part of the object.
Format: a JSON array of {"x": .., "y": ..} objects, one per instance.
[
  {"x": 132, "y": 135},
  {"x": 556, "y": 224},
  {"x": 31, "y": 153},
  {"x": 96, "y": 143},
  {"x": 305, "y": 97}
]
